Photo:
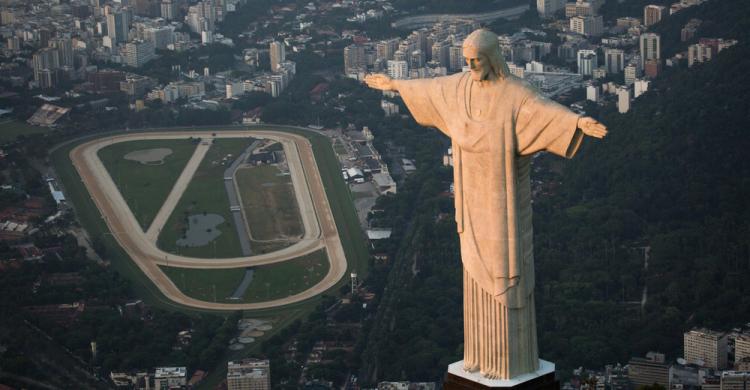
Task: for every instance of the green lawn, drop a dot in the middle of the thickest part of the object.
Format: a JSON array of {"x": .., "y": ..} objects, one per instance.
[
  {"x": 269, "y": 203},
  {"x": 269, "y": 281},
  {"x": 10, "y": 129},
  {"x": 206, "y": 194},
  {"x": 146, "y": 187}
]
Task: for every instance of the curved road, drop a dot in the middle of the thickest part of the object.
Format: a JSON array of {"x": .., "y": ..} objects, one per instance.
[{"x": 320, "y": 227}]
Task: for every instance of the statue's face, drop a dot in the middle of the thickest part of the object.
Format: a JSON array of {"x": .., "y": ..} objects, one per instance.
[{"x": 478, "y": 63}]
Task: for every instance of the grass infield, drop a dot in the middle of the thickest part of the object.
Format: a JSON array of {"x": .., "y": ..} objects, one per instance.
[
  {"x": 206, "y": 195},
  {"x": 269, "y": 203},
  {"x": 145, "y": 187},
  {"x": 269, "y": 282}
]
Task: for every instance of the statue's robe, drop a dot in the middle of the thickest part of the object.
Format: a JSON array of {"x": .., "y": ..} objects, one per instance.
[{"x": 492, "y": 153}]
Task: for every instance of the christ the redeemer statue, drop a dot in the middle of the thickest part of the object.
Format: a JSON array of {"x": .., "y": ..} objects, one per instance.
[{"x": 496, "y": 122}]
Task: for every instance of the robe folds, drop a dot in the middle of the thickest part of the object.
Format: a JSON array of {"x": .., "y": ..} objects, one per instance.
[{"x": 492, "y": 152}]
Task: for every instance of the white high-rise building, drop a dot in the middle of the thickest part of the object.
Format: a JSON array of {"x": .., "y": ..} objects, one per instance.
[
  {"x": 118, "y": 25},
  {"x": 623, "y": 100},
  {"x": 167, "y": 9},
  {"x": 398, "y": 69},
  {"x": 590, "y": 26},
  {"x": 64, "y": 48},
  {"x": 706, "y": 348},
  {"x": 650, "y": 47},
  {"x": 742, "y": 347},
  {"x": 592, "y": 93},
  {"x": 587, "y": 62},
  {"x": 138, "y": 53},
  {"x": 631, "y": 73},
  {"x": 277, "y": 53},
  {"x": 354, "y": 59},
  {"x": 249, "y": 374},
  {"x": 614, "y": 60},
  {"x": 160, "y": 37},
  {"x": 170, "y": 377},
  {"x": 652, "y": 14},
  {"x": 640, "y": 87}
]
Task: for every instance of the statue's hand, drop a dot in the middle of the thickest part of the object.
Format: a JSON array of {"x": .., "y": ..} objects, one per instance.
[
  {"x": 380, "y": 81},
  {"x": 592, "y": 127}
]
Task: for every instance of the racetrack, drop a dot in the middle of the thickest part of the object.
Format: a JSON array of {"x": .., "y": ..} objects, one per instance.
[{"x": 319, "y": 225}]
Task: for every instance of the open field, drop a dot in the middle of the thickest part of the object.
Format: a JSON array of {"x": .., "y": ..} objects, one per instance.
[
  {"x": 10, "y": 129},
  {"x": 146, "y": 186},
  {"x": 206, "y": 195},
  {"x": 269, "y": 203},
  {"x": 270, "y": 282}
]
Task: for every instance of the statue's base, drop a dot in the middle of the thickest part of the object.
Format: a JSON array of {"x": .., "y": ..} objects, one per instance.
[{"x": 542, "y": 379}]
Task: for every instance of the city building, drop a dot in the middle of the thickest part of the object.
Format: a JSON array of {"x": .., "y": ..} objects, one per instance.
[
  {"x": 651, "y": 369},
  {"x": 547, "y": 8},
  {"x": 137, "y": 53},
  {"x": 614, "y": 60},
  {"x": 652, "y": 68},
  {"x": 590, "y": 26},
  {"x": 64, "y": 48},
  {"x": 44, "y": 62},
  {"x": 742, "y": 347},
  {"x": 170, "y": 377},
  {"x": 136, "y": 85},
  {"x": 650, "y": 44},
  {"x": 735, "y": 380},
  {"x": 118, "y": 26},
  {"x": 706, "y": 49},
  {"x": 398, "y": 69},
  {"x": 579, "y": 8},
  {"x": 167, "y": 10},
  {"x": 706, "y": 348},
  {"x": 631, "y": 74},
  {"x": 623, "y": 106},
  {"x": 160, "y": 37},
  {"x": 355, "y": 60},
  {"x": 249, "y": 374},
  {"x": 277, "y": 52},
  {"x": 653, "y": 14},
  {"x": 691, "y": 28},
  {"x": 592, "y": 93},
  {"x": 640, "y": 87},
  {"x": 587, "y": 62}
]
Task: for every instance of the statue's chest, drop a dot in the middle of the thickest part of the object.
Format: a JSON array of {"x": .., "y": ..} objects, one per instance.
[{"x": 481, "y": 119}]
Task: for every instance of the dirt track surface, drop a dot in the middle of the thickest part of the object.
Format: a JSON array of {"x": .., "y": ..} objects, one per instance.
[{"x": 320, "y": 227}]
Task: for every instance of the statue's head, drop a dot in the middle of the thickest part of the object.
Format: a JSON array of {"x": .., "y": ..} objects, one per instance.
[{"x": 482, "y": 52}]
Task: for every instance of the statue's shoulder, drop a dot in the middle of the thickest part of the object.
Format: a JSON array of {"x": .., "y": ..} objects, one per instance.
[
  {"x": 453, "y": 78},
  {"x": 520, "y": 87}
]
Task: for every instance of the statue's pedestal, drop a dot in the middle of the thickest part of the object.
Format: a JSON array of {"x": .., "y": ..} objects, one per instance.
[{"x": 542, "y": 379}]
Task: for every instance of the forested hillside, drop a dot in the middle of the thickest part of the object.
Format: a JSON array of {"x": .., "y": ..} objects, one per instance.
[{"x": 672, "y": 180}]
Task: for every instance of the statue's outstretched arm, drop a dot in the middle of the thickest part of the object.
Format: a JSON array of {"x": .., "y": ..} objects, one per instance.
[
  {"x": 381, "y": 82},
  {"x": 592, "y": 127}
]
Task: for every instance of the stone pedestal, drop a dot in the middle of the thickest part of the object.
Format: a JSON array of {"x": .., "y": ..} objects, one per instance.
[{"x": 542, "y": 379}]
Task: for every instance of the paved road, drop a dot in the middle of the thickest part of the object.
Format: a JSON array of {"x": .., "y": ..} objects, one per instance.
[
  {"x": 234, "y": 200},
  {"x": 320, "y": 227}
]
